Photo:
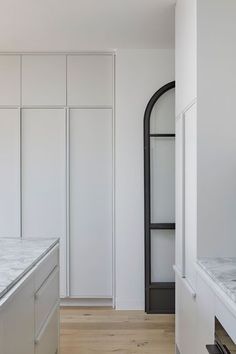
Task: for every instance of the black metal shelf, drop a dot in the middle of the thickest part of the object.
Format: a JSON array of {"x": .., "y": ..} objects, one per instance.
[
  {"x": 162, "y": 135},
  {"x": 159, "y": 226},
  {"x": 159, "y": 297}
]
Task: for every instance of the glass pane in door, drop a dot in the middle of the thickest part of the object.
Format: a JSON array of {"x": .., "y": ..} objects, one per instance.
[
  {"x": 162, "y": 160},
  {"x": 162, "y": 119},
  {"x": 162, "y": 255}
]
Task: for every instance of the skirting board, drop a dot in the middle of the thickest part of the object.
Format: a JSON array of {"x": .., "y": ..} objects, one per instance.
[
  {"x": 86, "y": 302},
  {"x": 129, "y": 304}
]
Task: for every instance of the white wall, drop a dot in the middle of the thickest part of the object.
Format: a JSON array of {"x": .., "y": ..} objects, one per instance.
[
  {"x": 139, "y": 73},
  {"x": 216, "y": 28}
]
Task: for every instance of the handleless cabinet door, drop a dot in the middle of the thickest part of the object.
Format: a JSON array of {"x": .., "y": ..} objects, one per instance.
[
  {"x": 10, "y": 173},
  {"x": 43, "y": 80},
  {"x": 43, "y": 176},
  {"x": 90, "y": 80},
  {"x": 91, "y": 203},
  {"x": 9, "y": 80}
]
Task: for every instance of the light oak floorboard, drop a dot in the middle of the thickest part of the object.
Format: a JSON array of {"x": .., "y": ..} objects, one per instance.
[{"x": 104, "y": 330}]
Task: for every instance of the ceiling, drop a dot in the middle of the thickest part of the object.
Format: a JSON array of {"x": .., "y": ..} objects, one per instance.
[{"x": 73, "y": 25}]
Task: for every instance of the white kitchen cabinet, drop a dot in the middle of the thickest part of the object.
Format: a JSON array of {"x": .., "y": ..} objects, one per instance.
[
  {"x": 23, "y": 330},
  {"x": 186, "y": 319},
  {"x": 54, "y": 181},
  {"x": 44, "y": 177},
  {"x": 205, "y": 316},
  {"x": 10, "y": 80},
  {"x": 17, "y": 317},
  {"x": 10, "y": 172},
  {"x": 91, "y": 203},
  {"x": 186, "y": 228},
  {"x": 45, "y": 299},
  {"x": 205, "y": 157},
  {"x": 90, "y": 80},
  {"x": 43, "y": 80}
]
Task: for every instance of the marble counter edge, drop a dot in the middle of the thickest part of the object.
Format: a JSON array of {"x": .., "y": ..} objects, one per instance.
[
  {"x": 28, "y": 269},
  {"x": 216, "y": 287}
]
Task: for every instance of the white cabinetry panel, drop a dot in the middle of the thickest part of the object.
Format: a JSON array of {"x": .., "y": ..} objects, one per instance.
[
  {"x": 91, "y": 202},
  {"x": 10, "y": 80},
  {"x": 43, "y": 176},
  {"x": 10, "y": 173},
  {"x": 190, "y": 207},
  {"x": 205, "y": 316},
  {"x": 43, "y": 80},
  {"x": 186, "y": 318},
  {"x": 18, "y": 321},
  {"x": 90, "y": 80}
]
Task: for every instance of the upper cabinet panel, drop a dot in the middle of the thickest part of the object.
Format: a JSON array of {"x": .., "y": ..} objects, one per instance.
[
  {"x": 9, "y": 80},
  {"x": 90, "y": 80},
  {"x": 43, "y": 80},
  {"x": 185, "y": 53}
]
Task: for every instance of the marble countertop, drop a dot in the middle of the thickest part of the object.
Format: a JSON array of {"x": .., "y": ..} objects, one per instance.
[
  {"x": 17, "y": 257},
  {"x": 223, "y": 272}
]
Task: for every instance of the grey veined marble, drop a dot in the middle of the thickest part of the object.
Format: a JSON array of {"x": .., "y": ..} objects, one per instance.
[
  {"x": 223, "y": 272},
  {"x": 17, "y": 257}
]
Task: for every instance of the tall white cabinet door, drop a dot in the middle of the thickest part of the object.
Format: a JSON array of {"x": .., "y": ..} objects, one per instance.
[
  {"x": 9, "y": 80},
  {"x": 90, "y": 80},
  {"x": 91, "y": 203},
  {"x": 43, "y": 80},
  {"x": 10, "y": 173},
  {"x": 190, "y": 194},
  {"x": 43, "y": 177}
]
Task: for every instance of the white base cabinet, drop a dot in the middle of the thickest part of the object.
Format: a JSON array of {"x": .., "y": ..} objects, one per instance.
[
  {"x": 195, "y": 315},
  {"x": 186, "y": 311},
  {"x": 17, "y": 317},
  {"x": 205, "y": 316},
  {"x": 29, "y": 313}
]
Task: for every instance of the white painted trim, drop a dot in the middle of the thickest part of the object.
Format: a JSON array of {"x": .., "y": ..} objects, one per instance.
[
  {"x": 88, "y": 302},
  {"x": 67, "y": 118},
  {"x": 21, "y": 176},
  {"x": 183, "y": 199},
  {"x": 129, "y": 304},
  {"x": 113, "y": 188}
]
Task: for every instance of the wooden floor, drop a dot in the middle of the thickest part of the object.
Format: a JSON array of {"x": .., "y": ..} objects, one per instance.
[{"x": 102, "y": 330}]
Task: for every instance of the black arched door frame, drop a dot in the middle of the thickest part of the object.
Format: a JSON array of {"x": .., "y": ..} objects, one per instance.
[{"x": 159, "y": 296}]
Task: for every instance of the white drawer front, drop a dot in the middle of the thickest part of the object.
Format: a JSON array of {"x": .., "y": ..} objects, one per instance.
[
  {"x": 46, "y": 267},
  {"x": 46, "y": 298},
  {"x": 47, "y": 341}
]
